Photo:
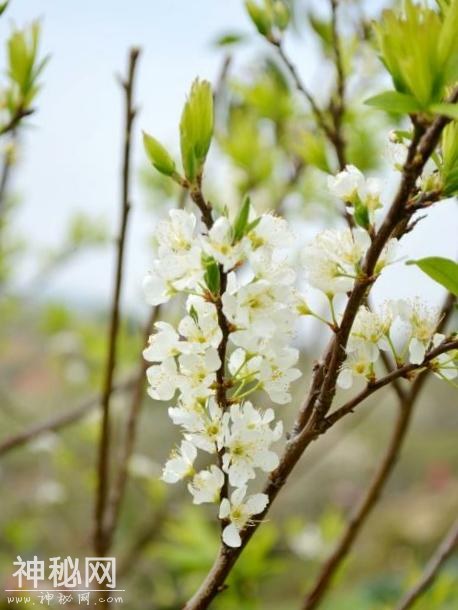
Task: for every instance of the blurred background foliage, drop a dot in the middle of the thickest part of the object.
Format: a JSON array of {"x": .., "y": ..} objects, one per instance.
[{"x": 52, "y": 356}]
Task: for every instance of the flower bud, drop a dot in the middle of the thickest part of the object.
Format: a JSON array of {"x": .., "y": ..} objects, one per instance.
[
  {"x": 158, "y": 155},
  {"x": 259, "y": 17},
  {"x": 196, "y": 128},
  {"x": 282, "y": 14}
]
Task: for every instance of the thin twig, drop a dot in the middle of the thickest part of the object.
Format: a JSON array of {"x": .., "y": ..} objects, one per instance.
[
  {"x": 337, "y": 106},
  {"x": 403, "y": 371},
  {"x": 383, "y": 471},
  {"x": 118, "y": 489},
  {"x": 332, "y": 132},
  {"x": 116, "y": 494},
  {"x": 447, "y": 547},
  {"x": 300, "y": 85},
  {"x": 17, "y": 117},
  {"x": 421, "y": 148},
  {"x": 61, "y": 420},
  {"x": 100, "y": 539},
  {"x": 7, "y": 164}
]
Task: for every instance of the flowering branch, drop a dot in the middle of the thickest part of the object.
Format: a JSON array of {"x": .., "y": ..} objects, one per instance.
[
  {"x": 100, "y": 533},
  {"x": 382, "y": 473},
  {"x": 312, "y": 420},
  {"x": 447, "y": 547},
  {"x": 403, "y": 371}
]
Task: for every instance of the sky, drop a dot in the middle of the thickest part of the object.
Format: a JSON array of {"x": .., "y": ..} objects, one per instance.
[{"x": 71, "y": 152}]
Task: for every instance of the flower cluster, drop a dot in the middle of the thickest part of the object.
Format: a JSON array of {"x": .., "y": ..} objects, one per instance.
[
  {"x": 361, "y": 194},
  {"x": 235, "y": 337},
  {"x": 239, "y": 290},
  {"x": 332, "y": 261},
  {"x": 406, "y": 329}
]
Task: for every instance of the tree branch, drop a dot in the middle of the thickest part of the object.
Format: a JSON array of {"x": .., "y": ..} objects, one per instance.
[
  {"x": 17, "y": 117},
  {"x": 421, "y": 148},
  {"x": 402, "y": 371},
  {"x": 5, "y": 176},
  {"x": 119, "y": 487},
  {"x": 382, "y": 473},
  {"x": 116, "y": 495},
  {"x": 100, "y": 538},
  {"x": 61, "y": 420},
  {"x": 337, "y": 107},
  {"x": 332, "y": 132},
  {"x": 447, "y": 547}
]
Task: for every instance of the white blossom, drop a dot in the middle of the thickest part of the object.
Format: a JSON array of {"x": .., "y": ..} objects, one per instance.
[
  {"x": 396, "y": 151},
  {"x": 371, "y": 329},
  {"x": 253, "y": 305},
  {"x": 163, "y": 380},
  {"x": 331, "y": 260},
  {"x": 206, "y": 485},
  {"x": 157, "y": 287},
  {"x": 198, "y": 373},
  {"x": 219, "y": 244},
  {"x": 180, "y": 463},
  {"x": 203, "y": 424},
  {"x": 444, "y": 366},
  {"x": 277, "y": 272},
  {"x": 163, "y": 344},
  {"x": 347, "y": 183},
  {"x": 238, "y": 511},
  {"x": 176, "y": 235},
  {"x": 359, "y": 363},
  {"x": 422, "y": 322},
  {"x": 201, "y": 330},
  {"x": 269, "y": 233},
  {"x": 247, "y": 443},
  {"x": 277, "y": 373}
]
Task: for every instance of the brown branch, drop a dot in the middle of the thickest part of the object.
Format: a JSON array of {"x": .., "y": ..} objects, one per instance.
[
  {"x": 61, "y": 420},
  {"x": 337, "y": 106},
  {"x": 445, "y": 550},
  {"x": 119, "y": 486},
  {"x": 7, "y": 164},
  {"x": 116, "y": 495},
  {"x": 382, "y": 473},
  {"x": 100, "y": 538},
  {"x": 422, "y": 146},
  {"x": 332, "y": 132},
  {"x": 14, "y": 121},
  {"x": 300, "y": 86},
  {"x": 403, "y": 371}
]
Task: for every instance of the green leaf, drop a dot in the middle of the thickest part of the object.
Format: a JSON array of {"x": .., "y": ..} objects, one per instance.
[
  {"x": 394, "y": 102},
  {"x": 158, "y": 155},
  {"x": 196, "y": 128},
  {"x": 229, "y": 39},
  {"x": 441, "y": 270},
  {"x": 448, "y": 110},
  {"x": 253, "y": 224},
  {"x": 211, "y": 275},
  {"x": 194, "y": 315},
  {"x": 241, "y": 222},
  {"x": 448, "y": 167},
  {"x": 361, "y": 215},
  {"x": 3, "y": 6}
]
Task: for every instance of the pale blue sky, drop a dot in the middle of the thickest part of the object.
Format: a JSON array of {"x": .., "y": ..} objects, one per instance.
[{"x": 71, "y": 155}]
